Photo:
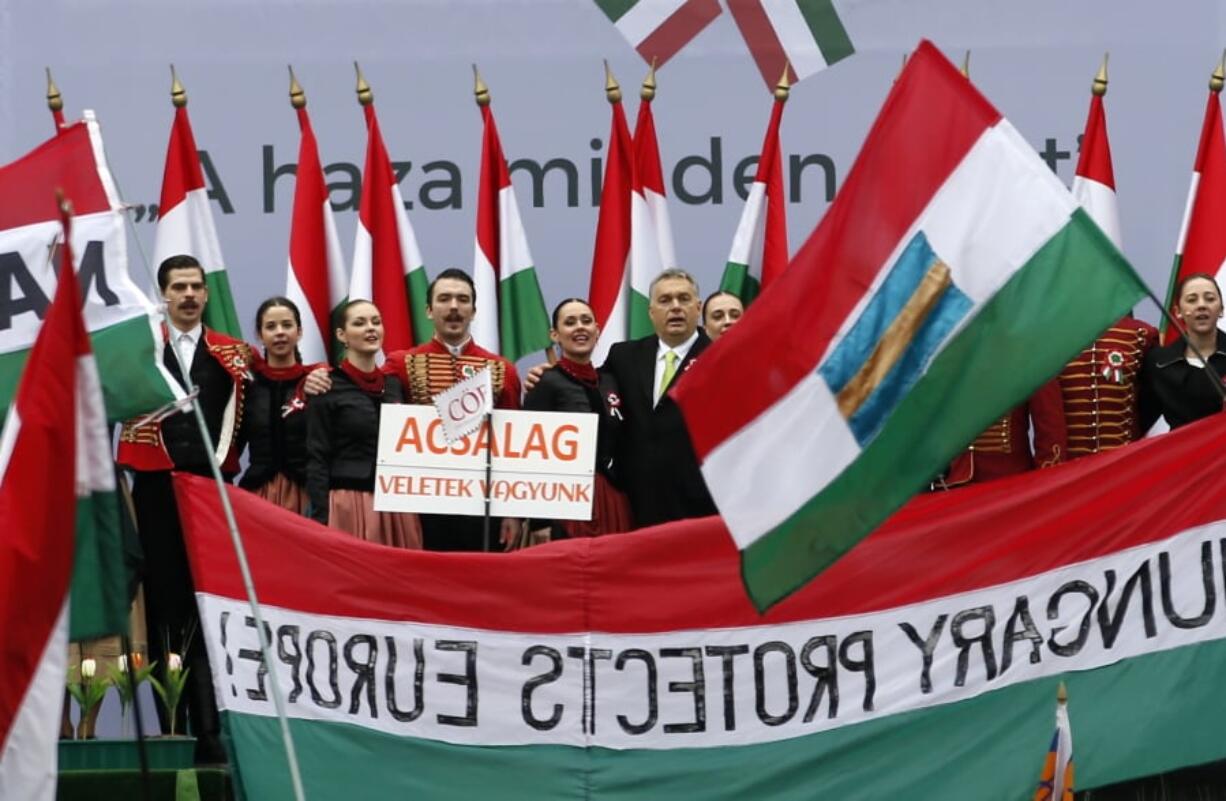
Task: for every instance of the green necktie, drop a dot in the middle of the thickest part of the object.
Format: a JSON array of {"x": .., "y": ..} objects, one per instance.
[{"x": 670, "y": 370}]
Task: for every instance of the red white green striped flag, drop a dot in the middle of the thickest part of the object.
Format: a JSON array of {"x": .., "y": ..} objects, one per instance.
[
  {"x": 511, "y": 316},
  {"x": 633, "y": 667},
  {"x": 1094, "y": 180},
  {"x": 387, "y": 264},
  {"x": 1202, "y": 237},
  {"x": 316, "y": 279},
  {"x": 610, "y": 282},
  {"x": 950, "y": 252},
  {"x": 806, "y": 36},
  {"x": 124, "y": 325},
  {"x": 185, "y": 224},
  {"x": 55, "y": 472},
  {"x": 651, "y": 231},
  {"x": 657, "y": 29},
  {"x": 760, "y": 245}
]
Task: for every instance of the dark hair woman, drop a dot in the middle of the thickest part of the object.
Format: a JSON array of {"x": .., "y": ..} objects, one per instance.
[
  {"x": 1174, "y": 382},
  {"x": 575, "y": 386},
  {"x": 343, "y": 436},
  {"x": 274, "y": 424}
]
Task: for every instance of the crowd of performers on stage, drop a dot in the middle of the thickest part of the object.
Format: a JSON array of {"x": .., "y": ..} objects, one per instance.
[{"x": 311, "y": 431}]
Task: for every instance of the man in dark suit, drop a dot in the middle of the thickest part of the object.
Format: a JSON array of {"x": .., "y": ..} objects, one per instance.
[
  {"x": 217, "y": 366},
  {"x": 655, "y": 460}
]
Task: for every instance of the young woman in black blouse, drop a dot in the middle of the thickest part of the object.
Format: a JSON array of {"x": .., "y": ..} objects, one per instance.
[
  {"x": 343, "y": 436},
  {"x": 274, "y": 419},
  {"x": 575, "y": 386},
  {"x": 1174, "y": 381}
]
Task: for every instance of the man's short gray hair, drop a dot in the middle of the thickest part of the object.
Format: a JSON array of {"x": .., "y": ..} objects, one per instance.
[{"x": 664, "y": 275}]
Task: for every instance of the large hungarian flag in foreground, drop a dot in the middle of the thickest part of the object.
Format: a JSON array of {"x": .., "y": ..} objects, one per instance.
[
  {"x": 952, "y": 275},
  {"x": 55, "y": 467},
  {"x": 123, "y": 324},
  {"x": 185, "y": 224},
  {"x": 923, "y": 665}
]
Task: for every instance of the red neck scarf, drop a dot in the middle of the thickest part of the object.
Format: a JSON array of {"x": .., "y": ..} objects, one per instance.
[
  {"x": 583, "y": 373},
  {"x": 292, "y": 373},
  {"x": 370, "y": 383}
]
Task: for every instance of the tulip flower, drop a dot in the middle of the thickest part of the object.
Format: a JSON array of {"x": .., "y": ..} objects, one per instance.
[{"x": 88, "y": 668}]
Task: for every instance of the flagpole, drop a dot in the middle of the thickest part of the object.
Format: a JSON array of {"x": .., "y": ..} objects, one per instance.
[
  {"x": 178, "y": 98},
  {"x": 489, "y": 470}
]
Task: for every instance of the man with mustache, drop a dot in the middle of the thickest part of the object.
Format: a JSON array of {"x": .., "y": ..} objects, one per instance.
[
  {"x": 430, "y": 368},
  {"x": 654, "y": 457},
  {"x": 217, "y": 366}
]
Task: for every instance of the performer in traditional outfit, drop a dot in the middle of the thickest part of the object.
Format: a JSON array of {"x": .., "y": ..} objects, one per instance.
[
  {"x": 343, "y": 437},
  {"x": 1174, "y": 382},
  {"x": 1100, "y": 389},
  {"x": 1004, "y": 448},
  {"x": 575, "y": 386},
  {"x": 217, "y": 366},
  {"x": 435, "y": 366},
  {"x": 274, "y": 421}
]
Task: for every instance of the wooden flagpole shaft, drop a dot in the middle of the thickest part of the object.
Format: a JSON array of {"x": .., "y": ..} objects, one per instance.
[{"x": 489, "y": 470}]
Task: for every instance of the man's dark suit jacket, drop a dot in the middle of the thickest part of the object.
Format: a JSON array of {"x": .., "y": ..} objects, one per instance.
[{"x": 654, "y": 459}]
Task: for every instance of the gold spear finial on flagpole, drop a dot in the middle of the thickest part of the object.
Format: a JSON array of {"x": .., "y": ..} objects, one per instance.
[
  {"x": 55, "y": 101},
  {"x": 784, "y": 87},
  {"x": 612, "y": 91},
  {"x": 178, "y": 95},
  {"x": 1062, "y": 694},
  {"x": 480, "y": 90},
  {"x": 1099, "y": 87},
  {"x": 1218, "y": 78},
  {"x": 297, "y": 97},
  {"x": 365, "y": 96},
  {"x": 648, "y": 90},
  {"x": 966, "y": 65}
]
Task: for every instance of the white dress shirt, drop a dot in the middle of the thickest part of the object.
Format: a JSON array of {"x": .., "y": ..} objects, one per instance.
[
  {"x": 185, "y": 343},
  {"x": 681, "y": 350}
]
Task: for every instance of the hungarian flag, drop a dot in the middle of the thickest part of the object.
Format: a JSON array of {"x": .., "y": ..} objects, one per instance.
[
  {"x": 923, "y": 665},
  {"x": 1094, "y": 181},
  {"x": 951, "y": 276},
  {"x": 511, "y": 315},
  {"x": 610, "y": 282},
  {"x": 387, "y": 264},
  {"x": 760, "y": 246},
  {"x": 657, "y": 29},
  {"x": 316, "y": 280},
  {"x": 651, "y": 231},
  {"x": 1202, "y": 237},
  {"x": 185, "y": 224},
  {"x": 804, "y": 36},
  {"x": 123, "y": 324},
  {"x": 55, "y": 470}
]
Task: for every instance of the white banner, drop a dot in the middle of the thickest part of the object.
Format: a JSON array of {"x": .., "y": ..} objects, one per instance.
[{"x": 542, "y": 464}]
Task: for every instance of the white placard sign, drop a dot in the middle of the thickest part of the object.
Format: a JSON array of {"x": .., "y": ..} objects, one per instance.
[
  {"x": 543, "y": 464},
  {"x": 463, "y": 405}
]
